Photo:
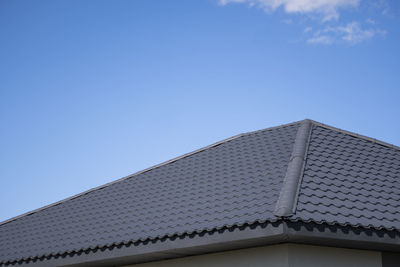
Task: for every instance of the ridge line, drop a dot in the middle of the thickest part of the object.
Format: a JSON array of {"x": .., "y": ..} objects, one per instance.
[
  {"x": 353, "y": 134},
  {"x": 286, "y": 203},
  {"x": 144, "y": 170},
  {"x": 302, "y": 168}
]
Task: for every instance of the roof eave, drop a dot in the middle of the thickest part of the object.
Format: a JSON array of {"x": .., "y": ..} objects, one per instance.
[
  {"x": 260, "y": 234},
  {"x": 168, "y": 248},
  {"x": 344, "y": 236}
]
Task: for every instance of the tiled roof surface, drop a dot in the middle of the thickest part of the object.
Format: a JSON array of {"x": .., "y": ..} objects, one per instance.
[
  {"x": 303, "y": 171},
  {"x": 233, "y": 183},
  {"x": 350, "y": 181}
]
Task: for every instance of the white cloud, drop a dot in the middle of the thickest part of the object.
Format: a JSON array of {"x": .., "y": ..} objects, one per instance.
[
  {"x": 308, "y": 29},
  {"x": 370, "y": 21},
  {"x": 324, "y": 14},
  {"x": 287, "y": 21},
  {"x": 352, "y": 33},
  {"x": 328, "y": 9},
  {"x": 321, "y": 39}
]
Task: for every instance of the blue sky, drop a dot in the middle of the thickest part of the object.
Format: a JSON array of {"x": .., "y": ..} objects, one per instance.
[{"x": 91, "y": 91}]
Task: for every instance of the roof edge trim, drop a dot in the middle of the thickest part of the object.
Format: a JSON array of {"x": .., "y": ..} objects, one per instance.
[
  {"x": 176, "y": 246},
  {"x": 286, "y": 203},
  {"x": 230, "y": 238}
]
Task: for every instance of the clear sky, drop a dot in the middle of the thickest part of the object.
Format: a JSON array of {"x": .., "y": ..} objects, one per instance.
[{"x": 91, "y": 91}]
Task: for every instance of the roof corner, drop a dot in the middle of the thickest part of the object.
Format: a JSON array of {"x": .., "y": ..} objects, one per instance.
[{"x": 287, "y": 200}]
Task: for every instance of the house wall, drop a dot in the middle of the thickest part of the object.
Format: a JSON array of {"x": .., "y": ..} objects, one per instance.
[
  {"x": 304, "y": 255},
  {"x": 284, "y": 255}
]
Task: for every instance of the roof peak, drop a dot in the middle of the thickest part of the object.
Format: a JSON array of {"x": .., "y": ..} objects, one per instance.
[
  {"x": 303, "y": 171},
  {"x": 305, "y": 121}
]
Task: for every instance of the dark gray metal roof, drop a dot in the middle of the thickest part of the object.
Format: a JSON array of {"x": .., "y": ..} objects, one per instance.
[
  {"x": 350, "y": 180},
  {"x": 304, "y": 171}
]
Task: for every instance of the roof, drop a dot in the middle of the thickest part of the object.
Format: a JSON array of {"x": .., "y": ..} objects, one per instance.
[{"x": 300, "y": 174}]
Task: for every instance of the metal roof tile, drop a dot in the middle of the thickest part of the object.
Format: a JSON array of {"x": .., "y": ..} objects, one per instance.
[
  {"x": 351, "y": 178},
  {"x": 232, "y": 183},
  {"x": 341, "y": 178}
]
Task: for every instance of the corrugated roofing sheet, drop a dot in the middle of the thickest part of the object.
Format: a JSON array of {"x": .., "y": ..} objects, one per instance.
[{"x": 342, "y": 178}]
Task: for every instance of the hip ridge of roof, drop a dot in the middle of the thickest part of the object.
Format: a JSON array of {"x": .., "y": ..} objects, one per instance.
[{"x": 286, "y": 204}]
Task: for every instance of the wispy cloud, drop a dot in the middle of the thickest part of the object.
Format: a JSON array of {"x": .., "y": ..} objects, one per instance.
[
  {"x": 352, "y": 33},
  {"x": 324, "y": 14},
  {"x": 370, "y": 21},
  {"x": 320, "y": 39},
  {"x": 287, "y": 21},
  {"x": 307, "y": 29},
  {"x": 327, "y": 9}
]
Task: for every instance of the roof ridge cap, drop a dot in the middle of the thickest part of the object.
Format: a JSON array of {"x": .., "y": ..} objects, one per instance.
[
  {"x": 364, "y": 137},
  {"x": 145, "y": 170},
  {"x": 287, "y": 201}
]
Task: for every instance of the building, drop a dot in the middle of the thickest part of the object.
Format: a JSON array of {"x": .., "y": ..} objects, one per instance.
[{"x": 301, "y": 194}]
